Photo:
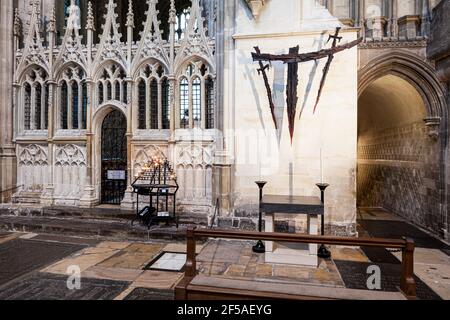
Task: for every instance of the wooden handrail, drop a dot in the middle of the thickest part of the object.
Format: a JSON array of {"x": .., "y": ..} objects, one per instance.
[{"x": 407, "y": 282}]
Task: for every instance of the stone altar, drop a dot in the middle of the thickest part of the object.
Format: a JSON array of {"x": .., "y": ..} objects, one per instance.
[{"x": 289, "y": 253}]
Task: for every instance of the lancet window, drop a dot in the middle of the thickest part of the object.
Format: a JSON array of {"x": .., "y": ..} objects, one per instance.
[
  {"x": 112, "y": 85},
  {"x": 35, "y": 100},
  {"x": 153, "y": 98},
  {"x": 196, "y": 97},
  {"x": 73, "y": 99}
]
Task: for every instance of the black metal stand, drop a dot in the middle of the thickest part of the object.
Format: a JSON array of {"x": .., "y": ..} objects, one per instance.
[
  {"x": 323, "y": 252},
  {"x": 260, "y": 247}
]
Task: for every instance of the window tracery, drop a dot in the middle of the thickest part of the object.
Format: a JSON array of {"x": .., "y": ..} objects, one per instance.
[
  {"x": 73, "y": 99},
  {"x": 35, "y": 100}
]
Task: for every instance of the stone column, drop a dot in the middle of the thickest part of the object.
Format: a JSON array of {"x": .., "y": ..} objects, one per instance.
[
  {"x": 47, "y": 197},
  {"x": 89, "y": 198},
  {"x": 7, "y": 146},
  {"x": 224, "y": 124},
  {"x": 128, "y": 201}
]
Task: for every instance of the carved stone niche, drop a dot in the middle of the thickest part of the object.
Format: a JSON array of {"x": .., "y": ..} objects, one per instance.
[
  {"x": 433, "y": 124},
  {"x": 256, "y": 6},
  {"x": 408, "y": 27}
]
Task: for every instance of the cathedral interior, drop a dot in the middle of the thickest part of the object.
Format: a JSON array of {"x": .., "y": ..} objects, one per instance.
[
  {"x": 166, "y": 66},
  {"x": 314, "y": 134}
]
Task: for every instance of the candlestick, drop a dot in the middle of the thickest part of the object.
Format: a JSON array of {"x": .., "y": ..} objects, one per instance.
[
  {"x": 260, "y": 247},
  {"x": 323, "y": 252}
]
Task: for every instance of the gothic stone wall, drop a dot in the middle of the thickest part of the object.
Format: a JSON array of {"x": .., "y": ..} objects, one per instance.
[{"x": 398, "y": 170}]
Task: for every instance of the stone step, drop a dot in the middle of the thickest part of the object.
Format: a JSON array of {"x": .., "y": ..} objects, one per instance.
[
  {"x": 100, "y": 213},
  {"x": 104, "y": 229}
]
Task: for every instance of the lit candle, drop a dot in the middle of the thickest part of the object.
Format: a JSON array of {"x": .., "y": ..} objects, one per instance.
[
  {"x": 321, "y": 166},
  {"x": 259, "y": 156}
]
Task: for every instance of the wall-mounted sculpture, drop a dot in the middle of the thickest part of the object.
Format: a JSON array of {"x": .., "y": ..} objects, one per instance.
[{"x": 293, "y": 59}]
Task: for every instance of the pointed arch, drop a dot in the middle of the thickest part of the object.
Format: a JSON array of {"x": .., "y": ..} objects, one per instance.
[
  {"x": 414, "y": 70},
  {"x": 151, "y": 44}
]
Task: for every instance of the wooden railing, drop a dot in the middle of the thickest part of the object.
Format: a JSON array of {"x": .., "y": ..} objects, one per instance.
[{"x": 407, "y": 282}]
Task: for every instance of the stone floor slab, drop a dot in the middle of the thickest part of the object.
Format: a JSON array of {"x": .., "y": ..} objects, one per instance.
[
  {"x": 180, "y": 248},
  {"x": 348, "y": 254},
  {"x": 437, "y": 277},
  {"x": 113, "y": 245},
  {"x": 117, "y": 274},
  {"x": 127, "y": 260},
  {"x": 355, "y": 276},
  {"x": 84, "y": 260},
  {"x": 54, "y": 287},
  {"x": 223, "y": 251},
  {"x": 147, "y": 294},
  {"x": 8, "y": 236},
  {"x": 19, "y": 257},
  {"x": 158, "y": 279},
  {"x": 134, "y": 256},
  {"x": 432, "y": 266}
]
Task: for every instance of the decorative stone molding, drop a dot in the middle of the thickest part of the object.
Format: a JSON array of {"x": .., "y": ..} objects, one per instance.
[
  {"x": 409, "y": 26},
  {"x": 256, "y": 7},
  {"x": 433, "y": 124},
  {"x": 194, "y": 155},
  {"x": 70, "y": 155},
  {"x": 33, "y": 155}
]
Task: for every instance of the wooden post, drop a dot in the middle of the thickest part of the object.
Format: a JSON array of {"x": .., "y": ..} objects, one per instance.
[
  {"x": 407, "y": 282},
  {"x": 191, "y": 263}
]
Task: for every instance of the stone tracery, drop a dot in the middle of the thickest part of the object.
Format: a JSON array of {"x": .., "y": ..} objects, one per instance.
[{"x": 77, "y": 76}]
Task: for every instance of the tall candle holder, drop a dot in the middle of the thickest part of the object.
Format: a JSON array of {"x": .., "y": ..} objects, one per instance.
[
  {"x": 323, "y": 252},
  {"x": 260, "y": 247}
]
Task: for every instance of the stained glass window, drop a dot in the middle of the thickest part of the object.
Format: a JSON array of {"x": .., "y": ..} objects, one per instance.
[
  {"x": 38, "y": 107},
  {"x": 154, "y": 104},
  {"x": 100, "y": 93},
  {"x": 108, "y": 91},
  {"x": 196, "y": 102},
  {"x": 125, "y": 92},
  {"x": 64, "y": 105},
  {"x": 84, "y": 106},
  {"x": 184, "y": 104},
  {"x": 27, "y": 107},
  {"x": 117, "y": 91},
  {"x": 46, "y": 97},
  {"x": 165, "y": 88},
  {"x": 75, "y": 100},
  {"x": 209, "y": 102},
  {"x": 142, "y": 104}
]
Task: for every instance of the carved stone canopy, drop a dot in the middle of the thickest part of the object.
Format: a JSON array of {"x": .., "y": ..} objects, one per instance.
[{"x": 256, "y": 6}]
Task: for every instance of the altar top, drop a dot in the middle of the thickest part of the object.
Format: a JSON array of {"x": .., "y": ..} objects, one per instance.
[{"x": 292, "y": 205}]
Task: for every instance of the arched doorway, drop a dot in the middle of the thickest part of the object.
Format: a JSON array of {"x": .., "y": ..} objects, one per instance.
[
  {"x": 114, "y": 158},
  {"x": 398, "y": 162}
]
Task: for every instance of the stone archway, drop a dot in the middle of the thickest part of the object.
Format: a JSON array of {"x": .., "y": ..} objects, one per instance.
[
  {"x": 99, "y": 117},
  {"x": 114, "y": 158},
  {"x": 402, "y": 138}
]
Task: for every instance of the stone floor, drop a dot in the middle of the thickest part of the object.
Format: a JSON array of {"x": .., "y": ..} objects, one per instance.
[
  {"x": 431, "y": 257},
  {"x": 35, "y": 266}
]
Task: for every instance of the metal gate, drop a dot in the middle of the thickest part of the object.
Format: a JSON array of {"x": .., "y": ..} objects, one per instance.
[{"x": 114, "y": 158}]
